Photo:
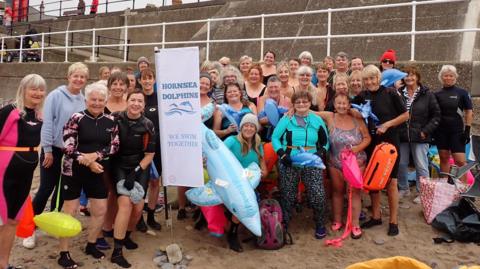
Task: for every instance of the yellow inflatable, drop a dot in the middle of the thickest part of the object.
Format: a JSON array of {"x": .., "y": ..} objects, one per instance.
[
  {"x": 397, "y": 262},
  {"x": 58, "y": 224}
]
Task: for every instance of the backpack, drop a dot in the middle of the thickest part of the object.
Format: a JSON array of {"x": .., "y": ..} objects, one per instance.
[{"x": 273, "y": 236}]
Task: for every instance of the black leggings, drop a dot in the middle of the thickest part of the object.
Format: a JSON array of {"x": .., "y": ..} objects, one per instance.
[{"x": 49, "y": 178}]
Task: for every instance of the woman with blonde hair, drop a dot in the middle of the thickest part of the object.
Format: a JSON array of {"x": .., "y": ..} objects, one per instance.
[
  {"x": 283, "y": 74},
  {"x": 247, "y": 148},
  {"x": 60, "y": 104},
  {"x": 20, "y": 125},
  {"x": 244, "y": 65},
  {"x": 304, "y": 74}
]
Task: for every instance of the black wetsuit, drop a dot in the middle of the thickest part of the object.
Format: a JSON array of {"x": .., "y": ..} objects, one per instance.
[
  {"x": 84, "y": 133},
  {"x": 137, "y": 137},
  {"x": 16, "y": 167},
  {"x": 386, "y": 104},
  {"x": 453, "y": 101},
  {"x": 151, "y": 112}
]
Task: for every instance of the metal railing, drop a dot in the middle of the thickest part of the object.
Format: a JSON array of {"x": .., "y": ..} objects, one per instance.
[
  {"x": 329, "y": 36},
  {"x": 62, "y": 6}
]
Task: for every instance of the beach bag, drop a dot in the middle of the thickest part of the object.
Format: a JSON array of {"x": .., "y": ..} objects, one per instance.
[
  {"x": 461, "y": 221},
  {"x": 380, "y": 167},
  {"x": 436, "y": 195},
  {"x": 350, "y": 169},
  {"x": 273, "y": 236}
]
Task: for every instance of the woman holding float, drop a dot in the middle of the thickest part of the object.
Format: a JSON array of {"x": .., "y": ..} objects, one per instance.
[
  {"x": 131, "y": 170},
  {"x": 20, "y": 125},
  {"x": 273, "y": 93},
  {"x": 345, "y": 131},
  {"x": 90, "y": 138},
  {"x": 307, "y": 130},
  {"x": 247, "y": 148},
  {"x": 222, "y": 127}
]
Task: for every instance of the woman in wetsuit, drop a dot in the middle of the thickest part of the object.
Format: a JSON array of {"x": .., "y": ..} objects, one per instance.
[
  {"x": 20, "y": 125},
  {"x": 453, "y": 132},
  {"x": 131, "y": 164},
  {"x": 90, "y": 138}
]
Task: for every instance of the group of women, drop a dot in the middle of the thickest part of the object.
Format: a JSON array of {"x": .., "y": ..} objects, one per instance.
[{"x": 101, "y": 140}]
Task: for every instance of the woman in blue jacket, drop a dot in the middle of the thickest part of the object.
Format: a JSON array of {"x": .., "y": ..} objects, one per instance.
[{"x": 307, "y": 130}]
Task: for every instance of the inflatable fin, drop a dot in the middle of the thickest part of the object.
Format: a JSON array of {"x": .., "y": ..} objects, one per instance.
[
  {"x": 271, "y": 110},
  {"x": 253, "y": 174},
  {"x": 227, "y": 113},
  {"x": 204, "y": 196}
]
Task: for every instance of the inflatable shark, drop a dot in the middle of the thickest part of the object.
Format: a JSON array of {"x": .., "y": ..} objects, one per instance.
[
  {"x": 230, "y": 184},
  {"x": 390, "y": 76}
]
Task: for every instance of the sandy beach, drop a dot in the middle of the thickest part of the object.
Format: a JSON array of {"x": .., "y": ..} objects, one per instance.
[{"x": 414, "y": 240}]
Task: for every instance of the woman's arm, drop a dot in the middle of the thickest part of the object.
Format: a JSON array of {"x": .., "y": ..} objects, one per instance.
[
  {"x": 147, "y": 159},
  {"x": 253, "y": 108},
  {"x": 366, "y": 138},
  {"x": 217, "y": 125},
  {"x": 112, "y": 147},
  {"x": 70, "y": 136}
]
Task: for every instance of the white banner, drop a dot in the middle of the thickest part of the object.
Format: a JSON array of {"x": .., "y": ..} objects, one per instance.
[{"x": 179, "y": 113}]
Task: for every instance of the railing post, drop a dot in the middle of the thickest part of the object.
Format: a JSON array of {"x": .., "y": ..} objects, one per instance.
[
  {"x": 414, "y": 18},
  {"x": 125, "y": 44},
  {"x": 133, "y": 4},
  {"x": 98, "y": 46},
  {"x": 41, "y": 48},
  {"x": 20, "y": 56},
  {"x": 329, "y": 31},
  {"x": 71, "y": 41},
  {"x": 49, "y": 35},
  {"x": 262, "y": 35},
  {"x": 106, "y": 6},
  {"x": 66, "y": 46},
  {"x": 2, "y": 50},
  {"x": 93, "y": 46},
  {"x": 208, "y": 40},
  {"x": 163, "y": 35},
  {"x": 60, "y": 10}
]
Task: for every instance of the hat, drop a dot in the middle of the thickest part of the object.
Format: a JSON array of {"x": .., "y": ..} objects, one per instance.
[
  {"x": 143, "y": 59},
  {"x": 250, "y": 118},
  {"x": 389, "y": 54},
  {"x": 206, "y": 75}
]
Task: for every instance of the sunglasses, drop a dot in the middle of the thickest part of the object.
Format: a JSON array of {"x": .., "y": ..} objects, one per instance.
[
  {"x": 387, "y": 61},
  {"x": 301, "y": 102}
]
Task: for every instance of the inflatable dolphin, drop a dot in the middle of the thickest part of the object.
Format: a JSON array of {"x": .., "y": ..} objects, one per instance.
[
  {"x": 230, "y": 183},
  {"x": 366, "y": 111},
  {"x": 309, "y": 159},
  {"x": 272, "y": 111},
  {"x": 233, "y": 116},
  {"x": 390, "y": 76}
]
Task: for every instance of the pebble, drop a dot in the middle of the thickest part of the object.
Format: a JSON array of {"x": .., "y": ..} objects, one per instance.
[
  {"x": 160, "y": 253},
  {"x": 167, "y": 266},
  {"x": 160, "y": 260},
  {"x": 188, "y": 227},
  {"x": 174, "y": 253},
  {"x": 404, "y": 206},
  {"x": 189, "y": 257},
  {"x": 180, "y": 266},
  {"x": 379, "y": 241},
  {"x": 433, "y": 264}
]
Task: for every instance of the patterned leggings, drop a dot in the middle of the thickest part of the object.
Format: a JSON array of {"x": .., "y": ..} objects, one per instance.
[{"x": 288, "y": 183}]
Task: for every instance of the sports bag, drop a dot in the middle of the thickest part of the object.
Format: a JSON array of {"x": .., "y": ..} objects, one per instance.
[{"x": 380, "y": 166}]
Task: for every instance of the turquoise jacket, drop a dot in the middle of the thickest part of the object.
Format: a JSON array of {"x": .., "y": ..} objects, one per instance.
[{"x": 313, "y": 137}]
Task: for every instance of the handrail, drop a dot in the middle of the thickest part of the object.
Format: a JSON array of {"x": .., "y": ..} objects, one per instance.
[{"x": 124, "y": 44}]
